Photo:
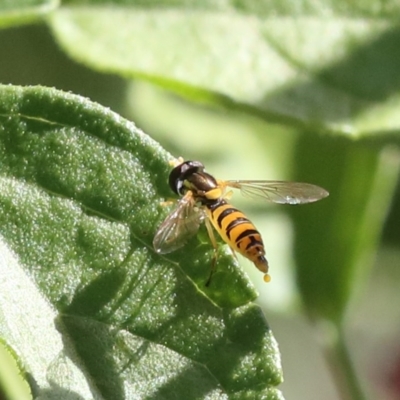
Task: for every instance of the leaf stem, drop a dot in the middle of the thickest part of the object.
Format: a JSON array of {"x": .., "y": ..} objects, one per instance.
[{"x": 341, "y": 365}]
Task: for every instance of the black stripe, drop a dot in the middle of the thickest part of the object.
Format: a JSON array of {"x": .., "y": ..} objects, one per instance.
[
  {"x": 235, "y": 222},
  {"x": 224, "y": 213},
  {"x": 254, "y": 242},
  {"x": 214, "y": 204},
  {"x": 245, "y": 233}
]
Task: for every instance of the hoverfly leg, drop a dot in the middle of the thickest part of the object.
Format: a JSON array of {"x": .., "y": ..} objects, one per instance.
[
  {"x": 212, "y": 270},
  {"x": 215, "y": 245},
  {"x": 167, "y": 203},
  {"x": 233, "y": 253}
]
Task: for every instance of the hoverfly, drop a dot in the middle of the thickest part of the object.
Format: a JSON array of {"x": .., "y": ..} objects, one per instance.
[{"x": 205, "y": 199}]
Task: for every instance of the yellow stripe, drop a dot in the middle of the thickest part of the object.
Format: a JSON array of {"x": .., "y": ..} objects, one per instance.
[{"x": 235, "y": 231}]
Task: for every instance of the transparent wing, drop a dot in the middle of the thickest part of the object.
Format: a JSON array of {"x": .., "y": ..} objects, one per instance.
[
  {"x": 179, "y": 226},
  {"x": 281, "y": 192}
]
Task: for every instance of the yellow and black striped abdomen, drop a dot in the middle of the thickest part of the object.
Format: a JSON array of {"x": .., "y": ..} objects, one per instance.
[{"x": 238, "y": 231}]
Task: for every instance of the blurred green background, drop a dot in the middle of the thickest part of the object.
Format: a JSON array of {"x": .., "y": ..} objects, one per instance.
[{"x": 349, "y": 242}]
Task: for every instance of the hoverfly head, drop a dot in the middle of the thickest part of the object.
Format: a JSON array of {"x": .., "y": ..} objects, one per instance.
[{"x": 181, "y": 173}]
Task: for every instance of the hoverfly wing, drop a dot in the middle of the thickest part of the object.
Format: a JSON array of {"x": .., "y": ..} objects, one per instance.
[
  {"x": 179, "y": 226},
  {"x": 280, "y": 192}
]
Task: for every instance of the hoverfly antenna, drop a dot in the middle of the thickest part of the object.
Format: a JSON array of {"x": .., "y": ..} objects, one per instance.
[{"x": 181, "y": 172}]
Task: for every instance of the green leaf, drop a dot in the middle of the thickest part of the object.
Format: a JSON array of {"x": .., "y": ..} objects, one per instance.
[
  {"x": 79, "y": 204},
  {"x": 285, "y": 62},
  {"x": 16, "y": 12},
  {"x": 27, "y": 324},
  {"x": 334, "y": 257}
]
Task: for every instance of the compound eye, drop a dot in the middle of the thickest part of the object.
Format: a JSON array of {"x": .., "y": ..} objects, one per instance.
[{"x": 182, "y": 172}]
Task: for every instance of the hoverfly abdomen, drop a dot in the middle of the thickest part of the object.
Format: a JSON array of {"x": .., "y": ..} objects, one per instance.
[{"x": 239, "y": 232}]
